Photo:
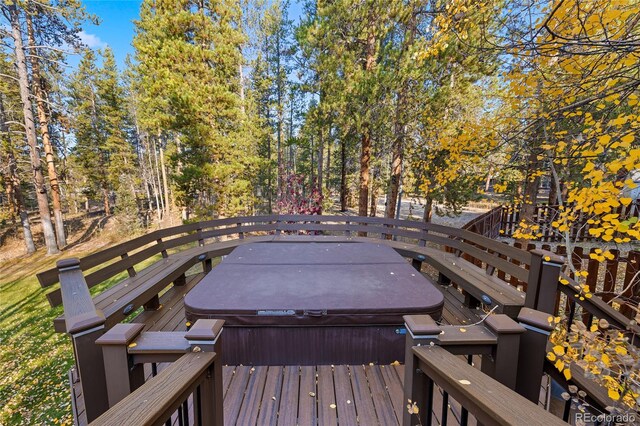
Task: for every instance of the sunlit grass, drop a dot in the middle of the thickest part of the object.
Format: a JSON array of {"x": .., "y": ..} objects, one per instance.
[{"x": 34, "y": 360}]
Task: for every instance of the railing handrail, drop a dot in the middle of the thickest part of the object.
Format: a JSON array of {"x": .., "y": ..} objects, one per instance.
[
  {"x": 469, "y": 386},
  {"x": 155, "y": 401}
]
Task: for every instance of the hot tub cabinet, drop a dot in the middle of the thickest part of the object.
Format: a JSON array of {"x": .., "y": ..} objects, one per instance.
[{"x": 310, "y": 303}]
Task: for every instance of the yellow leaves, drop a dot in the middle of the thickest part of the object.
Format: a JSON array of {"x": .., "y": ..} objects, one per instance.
[
  {"x": 588, "y": 167},
  {"x": 559, "y": 365},
  {"x": 620, "y": 350},
  {"x": 627, "y": 139},
  {"x": 604, "y": 139},
  {"x": 551, "y": 356},
  {"x": 567, "y": 374},
  {"x": 614, "y": 394},
  {"x": 558, "y": 350}
]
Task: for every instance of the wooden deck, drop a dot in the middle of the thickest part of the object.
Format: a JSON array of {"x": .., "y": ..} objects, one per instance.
[
  {"x": 321, "y": 395},
  {"x": 315, "y": 395}
]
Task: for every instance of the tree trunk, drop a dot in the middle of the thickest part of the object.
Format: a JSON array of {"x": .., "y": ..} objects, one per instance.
[
  {"x": 152, "y": 177},
  {"x": 373, "y": 209},
  {"x": 43, "y": 121},
  {"x": 328, "y": 170},
  {"x": 166, "y": 185},
  {"x": 428, "y": 209},
  {"x": 30, "y": 130},
  {"x": 105, "y": 201},
  {"x": 365, "y": 154},
  {"x": 365, "y": 159},
  {"x": 400, "y": 131},
  {"x": 12, "y": 185},
  {"x": 530, "y": 196},
  {"x": 320, "y": 161},
  {"x": 158, "y": 176},
  {"x": 396, "y": 167},
  {"x": 280, "y": 111},
  {"x": 343, "y": 176}
]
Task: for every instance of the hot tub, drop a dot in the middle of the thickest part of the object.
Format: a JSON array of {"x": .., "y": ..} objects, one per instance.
[{"x": 311, "y": 303}]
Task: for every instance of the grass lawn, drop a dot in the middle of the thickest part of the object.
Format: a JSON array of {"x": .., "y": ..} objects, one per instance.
[{"x": 34, "y": 360}]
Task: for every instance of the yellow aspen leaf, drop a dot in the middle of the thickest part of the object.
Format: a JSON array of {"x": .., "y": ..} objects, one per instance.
[
  {"x": 627, "y": 138},
  {"x": 551, "y": 356},
  {"x": 594, "y": 328},
  {"x": 613, "y": 394},
  {"x": 625, "y": 201},
  {"x": 559, "y": 350},
  {"x": 606, "y": 360},
  {"x": 559, "y": 365},
  {"x": 567, "y": 374},
  {"x": 604, "y": 139},
  {"x": 621, "y": 350}
]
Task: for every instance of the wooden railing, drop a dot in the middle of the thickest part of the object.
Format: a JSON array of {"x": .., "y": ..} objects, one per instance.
[
  {"x": 615, "y": 280},
  {"x": 489, "y": 401},
  {"x": 160, "y": 398},
  {"x": 545, "y": 214},
  {"x": 179, "y": 248},
  {"x": 487, "y": 224}
]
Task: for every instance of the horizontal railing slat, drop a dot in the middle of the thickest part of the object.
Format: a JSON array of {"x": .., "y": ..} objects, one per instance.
[{"x": 155, "y": 401}]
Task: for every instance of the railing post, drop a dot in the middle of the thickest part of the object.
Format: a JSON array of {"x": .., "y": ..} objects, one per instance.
[
  {"x": 421, "y": 329},
  {"x": 206, "y": 263},
  {"x": 85, "y": 324},
  {"x": 503, "y": 364},
  {"x": 542, "y": 287},
  {"x": 533, "y": 349},
  {"x": 417, "y": 262},
  {"x": 122, "y": 376},
  {"x": 204, "y": 336}
]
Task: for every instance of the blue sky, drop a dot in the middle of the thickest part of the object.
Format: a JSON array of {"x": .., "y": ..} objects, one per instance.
[{"x": 116, "y": 28}]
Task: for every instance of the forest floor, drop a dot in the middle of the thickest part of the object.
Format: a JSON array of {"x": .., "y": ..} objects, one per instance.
[{"x": 34, "y": 360}]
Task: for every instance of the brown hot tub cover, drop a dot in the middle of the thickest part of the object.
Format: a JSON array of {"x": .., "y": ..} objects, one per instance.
[{"x": 307, "y": 284}]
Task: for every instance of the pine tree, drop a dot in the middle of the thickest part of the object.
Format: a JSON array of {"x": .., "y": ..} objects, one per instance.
[
  {"x": 188, "y": 59},
  {"x": 89, "y": 128},
  {"x": 16, "y": 19}
]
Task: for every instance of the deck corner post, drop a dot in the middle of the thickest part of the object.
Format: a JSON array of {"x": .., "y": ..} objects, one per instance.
[
  {"x": 122, "y": 377},
  {"x": 421, "y": 330},
  {"x": 533, "y": 349},
  {"x": 542, "y": 287},
  {"x": 503, "y": 364},
  {"x": 205, "y": 336},
  {"x": 85, "y": 324}
]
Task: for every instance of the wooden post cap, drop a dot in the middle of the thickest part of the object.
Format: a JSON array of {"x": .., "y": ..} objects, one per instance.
[
  {"x": 421, "y": 325},
  {"x": 502, "y": 324},
  {"x": 540, "y": 320},
  {"x": 205, "y": 329},
  {"x": 71, "y": 263},
  {"x": 84, "y": 321},
  {"x": 121, "y": 334},
  {"x": 550, "y": 257}
]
